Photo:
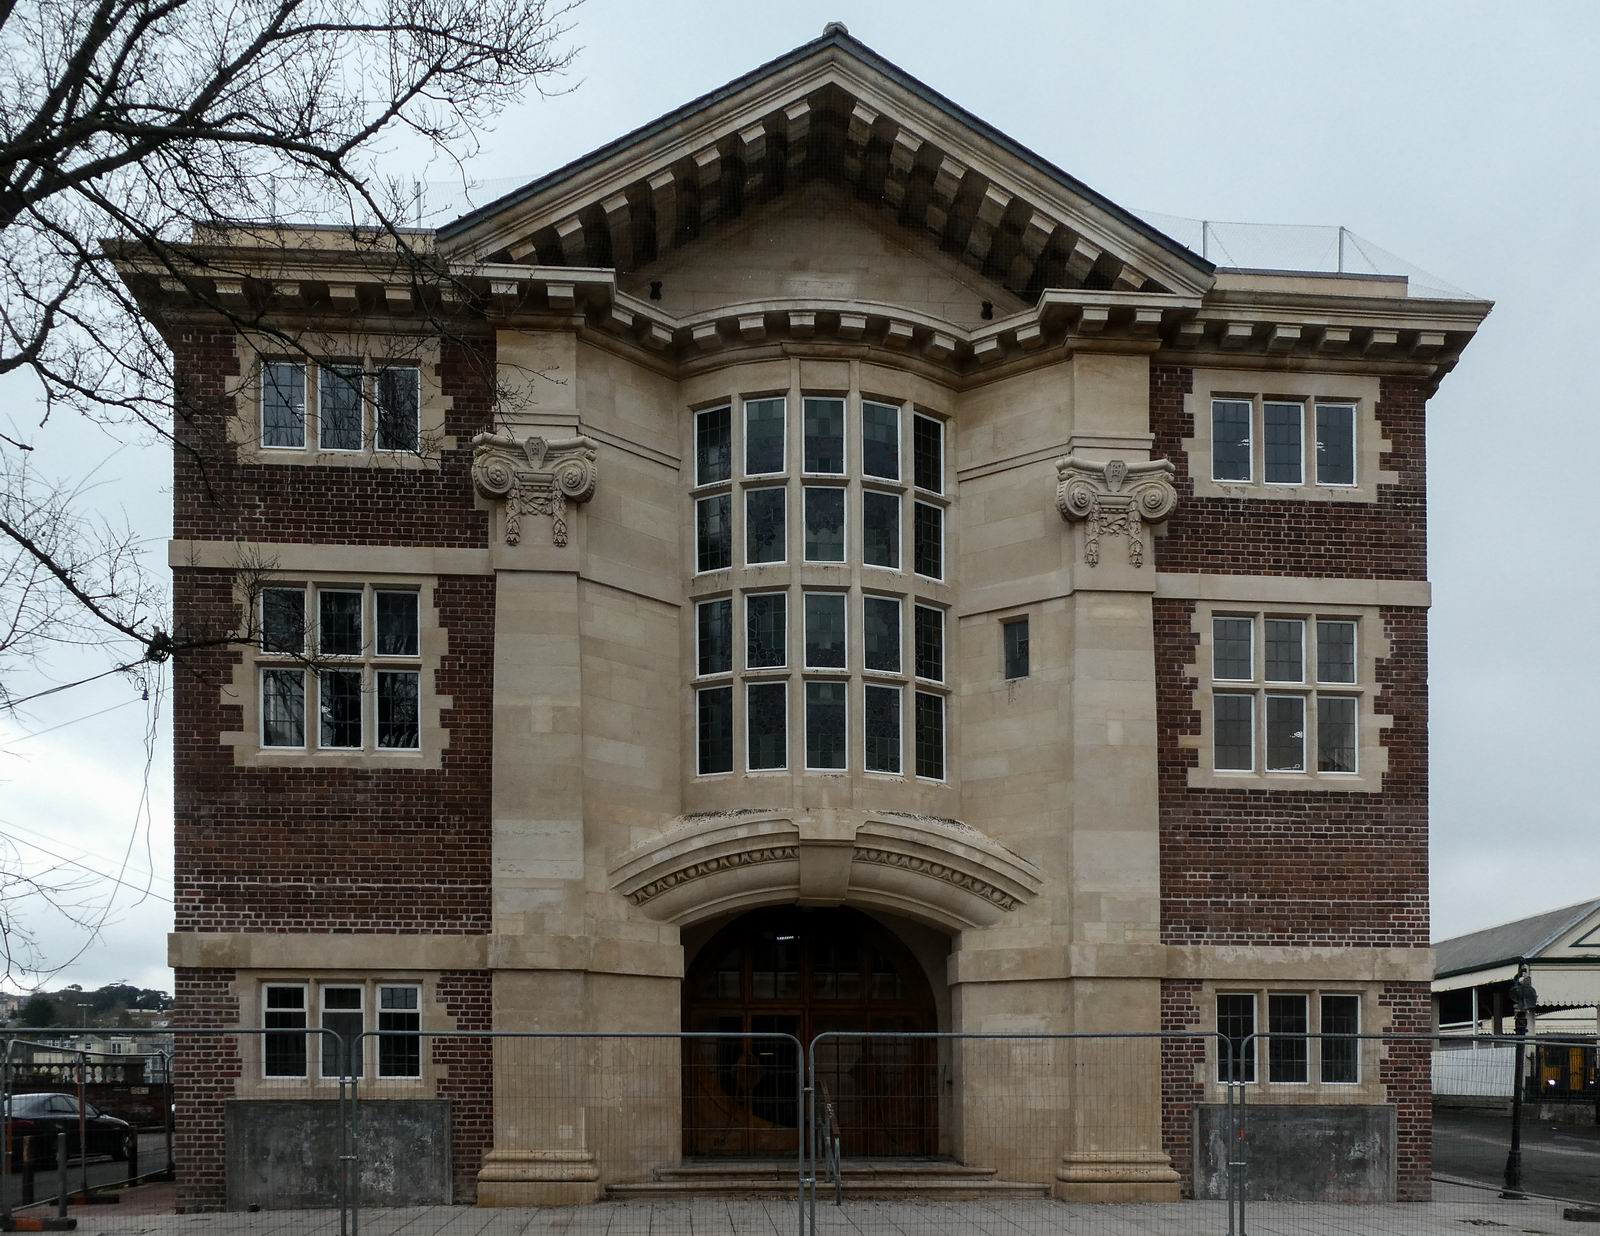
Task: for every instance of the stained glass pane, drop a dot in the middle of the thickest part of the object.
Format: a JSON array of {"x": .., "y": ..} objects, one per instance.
[{"x": 766, "y": 630}]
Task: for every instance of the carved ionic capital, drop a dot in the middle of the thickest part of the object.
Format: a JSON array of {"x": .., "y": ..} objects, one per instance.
[
  {"x": 534, "y": 476},
  {"x": 1114, "y": 499}
]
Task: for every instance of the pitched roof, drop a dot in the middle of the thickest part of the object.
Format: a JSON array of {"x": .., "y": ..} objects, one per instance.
[
  {"x": 832, "y": 106},
  {"x": 1508, "y": 943}
]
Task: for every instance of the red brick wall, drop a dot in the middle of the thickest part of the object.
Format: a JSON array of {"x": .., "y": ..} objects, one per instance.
[
  {"x": 466, "y": 1076},
  {"x": 204, "y": 1070},
  {"x": 329, "y": 849},
  {"x": 1407, "y": 1076},
  {"x": 1183, "y": 1066},
  {"x": 217, "y": 498},
  {"x": 1265, "y": 867},
  {"x": 1387, "y": 539}
]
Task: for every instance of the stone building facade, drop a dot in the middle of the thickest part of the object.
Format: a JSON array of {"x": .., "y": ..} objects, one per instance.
[{"x": 811, "y": 535}]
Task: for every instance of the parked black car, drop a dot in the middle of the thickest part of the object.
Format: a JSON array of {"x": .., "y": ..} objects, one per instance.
[{"x": 42, "y": 1116}]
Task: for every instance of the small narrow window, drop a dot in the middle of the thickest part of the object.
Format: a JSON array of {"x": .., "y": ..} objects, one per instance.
[
  {"x": 283, "y": 708},
  {"x": 713, "y": 531},
  {"x": 881, "y": 722},
  {"x": 339, "y": 407},
  {"x": 1233, "y": 732},
  {"x": 763, "y": 437},
  {"x": 824, "y": 523},
  {"x": 1341, "y": 1050},
  {"x": 338, "y": 622},
  {"x": 1336, "y": 651},
  {"x": 930, "y": 736},
  {"x": 880, "y": 529},
  {"x": 927, "y": 453},
  {"x": 399, "y": 1031},
  {"x": 1236, "y": 1022},
  {"x": 340, "y": 708},
  {"x": 824, "y": 435},
  {"x": 766, "y": 630},
  {"x": 1230, "y": 439},
  {"x": 1288, "y": 1058},
  {"x": 399, "y": 726},
  {"x": 825, "y": 630},
  {"x": 1336, "y": 733},
  {"x": 714, "y": 728},
  {"x": 927, "y": 540},
  {"x": 827, "y": 725},
  {"x": 767, "y": 725},
  {"x": 283, "y": 1052},
  {"x": 283, "y": 620},
  {"x": 1286, "y": 733},
  {"x": 1284, "y": 453},
  {"x": 399, "y": 403},
  {"x": 1014, "y": 637},
  {"x": 765, "y": 525},
  {"x": 929, "y": 637},
  {"x": 881, "y": 633},
  {"x": 1286, "y": 649},
  {"x": 1336, "y": 444},
  {"x": 713, "y": 445},
  {"x": 880, "y": 440},
  {"x": 342, "y": 1016},
  {"x": 283, "y": 404},
  {"x": 396, "y": 621},
  {"x": 714, "y": 636}
]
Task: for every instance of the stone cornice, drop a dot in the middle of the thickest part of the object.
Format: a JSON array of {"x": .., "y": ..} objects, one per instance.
[
  {"x": 1114, "y": 499},
  {"x": 534, "y": 476}
]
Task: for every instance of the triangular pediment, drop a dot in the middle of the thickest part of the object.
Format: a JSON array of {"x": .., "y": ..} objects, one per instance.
[{"x": 831, "y": 113}]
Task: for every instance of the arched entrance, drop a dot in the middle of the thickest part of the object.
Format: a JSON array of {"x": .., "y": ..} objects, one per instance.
[{"x": 803, "y": 972}]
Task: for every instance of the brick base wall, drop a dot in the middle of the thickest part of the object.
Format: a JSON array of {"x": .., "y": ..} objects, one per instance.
[
  {"x": 205, "y": 1070},
  {"x": 1183, "y": 1065},
  {"x": 1407, "y": 1075},
  {"x": 466, "y": 1075}
]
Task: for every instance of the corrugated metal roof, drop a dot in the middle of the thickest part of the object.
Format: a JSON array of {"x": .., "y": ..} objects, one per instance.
[{"x": 1509, "y": 942}]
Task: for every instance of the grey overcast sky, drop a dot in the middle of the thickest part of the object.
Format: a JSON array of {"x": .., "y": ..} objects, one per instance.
[{"x": 1460, "y": 136}]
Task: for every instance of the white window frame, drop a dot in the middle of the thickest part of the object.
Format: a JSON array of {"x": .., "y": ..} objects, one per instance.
[
  {"x": 1250, "y": 622},
  {"x": 750, "y": 685},
  {"x": 783, "y": 543},
  {"x": 278, "y": 667},
  {"x": 844, "y": 436},
  {"x": 805, "y": 631},
  {"x": 377, "y": 1025},
  {"x": 944, "y": 453},
  {"x": 385, "y": 671},
  {"x": 944, "y": 645},
  {"x": 305, "y": 405},
  {"x": 899, "y": 451},
  {"x": 321, "y": 590},
  {"x": 322, "y": 1017},
  {"x": 1355, "y": 653},
  {"x": 305, "y": 623},
  {"x": 1300, "y": 405},
  {"x": 941, "y": 510},
  {"x": 699, "y": 481},
  {"x": 944, "y": 736},
  {"x": 324, "y": 673},
  {"x": 899, "y": 690},
  {"x": 377, "y": 407},
  {"x": 382, "y": 590},
  {"x": 1305, "y": 999},
  {"x": 733, "y": 761},
  {"x": 305, "y": 1029},
  {"x": 695, "y": 532},
  {"x": 899, "y": 603},
  {"x": 700, "y": 676},
  {"x": 1322, "y": 1035},
  {"x": 1250, "y": 440},
  {"x": 1249, "y": 695},
  {"x": 840, "y": 680},
  {"x": 1355, "y": 700},
  {"x": 1354, "y": 410},
  {"x": 323, "y": 366},
  {"x": 768, "y": 592},
  {"x": 744, "y": 437},
  {"x": 1266, "y": 649}
]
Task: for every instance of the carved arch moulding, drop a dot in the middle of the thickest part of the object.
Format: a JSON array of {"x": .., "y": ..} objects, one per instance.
[
  {"x": 1115, "y": 499},
  {"x": 941, "y": 872},
  {"x": 535, "y": 476}
]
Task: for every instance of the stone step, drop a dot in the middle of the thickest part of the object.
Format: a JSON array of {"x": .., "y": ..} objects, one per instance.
[
  {"x": 862, "y": 1178},
  {"x": 849, "y": 1168}
]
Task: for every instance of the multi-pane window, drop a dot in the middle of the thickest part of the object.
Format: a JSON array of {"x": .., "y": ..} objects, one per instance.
[
  {"x": 1339, "y": 1049},
  {"x": 824, "y": 523},
  {"x": 1014, "y": 647},
  {"x": 283, "y": 404},
  {"x": 880, "y": 529},
  {"x": 880, "y": 637},
  {"x": 766, "y": 628},
  {"x": 767, "y": 725},
  {"x": 1299, "y": 445},
  {"x": 356, "y": 661},
  {"x": 929, "y": 737},
  {"x": 1288, "y": 1023},
  {"x": 824, "y": 435},
  {"x": 336, "y": 401},
  {"x": 1309, "y": 1037},
  {"x": 713, "y": 533},
  {"x": 339, "y": 407},
  {"x": 399, "y": 1030},
  {"x": 344, "y": 1015},
  {"x": 713, "y": 445},
  {"x": 283, "y": 1054},
  {"x": 765, "y": 526},
  {"x": 398, "y": 408},
  {"x": 714, "y": 730},
  {"x": 713, "y": 636},
  {"x": 927, "y": 453},
  {"x": 927, "y": 539},
  {"x": 1236, "y": 1022},
  {"x": 827, "y": 726},
  {"x": 880, "y": 440},
  {"x": 1267, "y": 711},
  {"x": 825, "y": 630},
  {"x": 880, "y": 715},
  {"x": 763, "y": 437},
  {"x": 929, "y": 637}
]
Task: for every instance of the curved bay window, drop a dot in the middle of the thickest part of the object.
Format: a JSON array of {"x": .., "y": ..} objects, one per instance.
[{"x": 820, "y": 561}]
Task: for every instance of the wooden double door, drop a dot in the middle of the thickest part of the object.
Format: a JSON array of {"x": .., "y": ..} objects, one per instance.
[{"x": 807, "y": 972}]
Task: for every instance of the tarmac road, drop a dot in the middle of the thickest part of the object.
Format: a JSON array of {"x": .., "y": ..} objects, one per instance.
[
  {"x": 102, "y": 1170},
  {"x": 1558, "y": 1160}
]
